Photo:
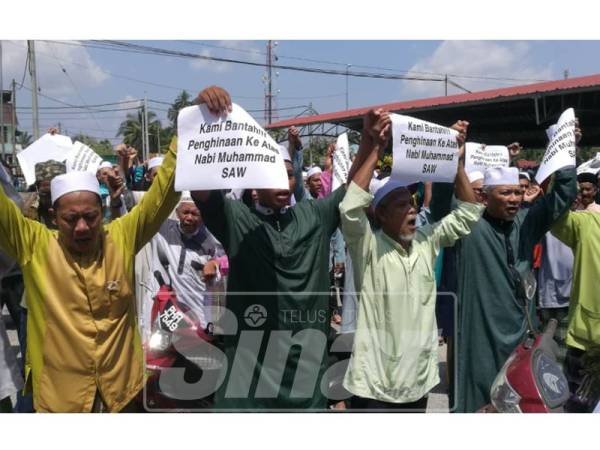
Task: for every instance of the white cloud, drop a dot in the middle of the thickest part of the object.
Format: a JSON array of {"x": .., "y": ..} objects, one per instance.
[
  {"x": 243, "y": 50},
  {"x": 52, "y": 81},
  {"x": 475, "y": 58}
]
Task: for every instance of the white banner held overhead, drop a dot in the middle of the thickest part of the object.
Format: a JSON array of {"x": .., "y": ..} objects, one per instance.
[
  {"x": 83, "y": 159},
  {"x": 226, "y": 152},
  {"x": 480, "y": 156},
  {"x": 561, "y": 148},
  {"x": 341, "y": 162},
  {"x": 423, "y": 151},
  {"x": 46, "y": 148}
]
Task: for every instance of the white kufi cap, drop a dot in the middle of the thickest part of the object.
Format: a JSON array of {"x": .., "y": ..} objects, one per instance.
[
  {"x": 498, "y": 176},
  {"x": 313, "y": 171},
  {"x": 155, "y": 162},
  {"x": 73, "y": 182},
  {"x": 105, "y": 164},
  {"x": 385, "y": 187},
  {"x": 474, "y": 176}
]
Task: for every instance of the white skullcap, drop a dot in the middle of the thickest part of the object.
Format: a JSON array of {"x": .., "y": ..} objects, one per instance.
[
  {"x": 285, "y": 154},
  {"x": 474, "y": 176},
  {"x": 186, "y": 197},
  {"x": 313, "y": 171},
  {"x": 524, "y": 175},
  {"x": 155, "y": 162},
  {"x": 386, "y": 186},
  {"x": 105, "y": 164},
  {"x": 497, "y": 176},
  {"x": 73, "y": 182}
]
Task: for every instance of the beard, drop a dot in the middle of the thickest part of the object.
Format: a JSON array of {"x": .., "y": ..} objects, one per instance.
[{"x": 407, "y": 237}]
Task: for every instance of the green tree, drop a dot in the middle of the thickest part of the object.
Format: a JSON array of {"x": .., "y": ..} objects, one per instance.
[
  {"x": 24, "y": 139},
  {"x": 131, "y": 131},
  {"x": 181, "y": 101},
  {"x": 102, "y": 148}
]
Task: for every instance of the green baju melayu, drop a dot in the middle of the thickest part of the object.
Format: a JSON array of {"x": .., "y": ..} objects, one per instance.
[
  {"x": 491, "y": 310},
  {"x": 278, "y": 291}
]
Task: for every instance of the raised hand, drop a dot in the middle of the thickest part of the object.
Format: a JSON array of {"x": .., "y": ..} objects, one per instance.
[
  {"x": 514, "y": 149},
  {"x": 216, "y": 99},
  {"x": 377, "y": 126}
]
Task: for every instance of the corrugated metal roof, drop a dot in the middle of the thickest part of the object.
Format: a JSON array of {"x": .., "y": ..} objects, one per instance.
[{"x": 460, "y": 99}]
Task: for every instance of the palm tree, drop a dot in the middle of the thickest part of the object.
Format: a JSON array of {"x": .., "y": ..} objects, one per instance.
[
  {"x": 131, "y": 130},
  {"x": 24, "y": 139},
  {"x": 181, "y": 101}
]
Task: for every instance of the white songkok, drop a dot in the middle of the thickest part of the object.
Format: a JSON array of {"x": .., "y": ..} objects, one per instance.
[
  {"x": 385, "y": 187},
  {"x": 474, "y": 176},
  {"x": 155, "y": 162},
  {"x": 73, "y": 182},
  {"x": 313, "y": 171},
  {"x": 525, "y": 175},
  {"x": 105, "y": 165},
  {"x": 186, "y": 197},
  {"x": 499, "y": 176}
]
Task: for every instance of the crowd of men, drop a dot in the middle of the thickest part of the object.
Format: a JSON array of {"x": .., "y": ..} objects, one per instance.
[{"x": 336, "y": 296}]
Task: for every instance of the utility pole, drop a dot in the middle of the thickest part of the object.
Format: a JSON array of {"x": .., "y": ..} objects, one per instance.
[
  {"x": 146, "y": 139},
  {"x": 446, "y": 85},
  {"x": 59, "y": 128},
  {"x": 347, "y": 69},
  {"x": 14, "y": 124},
  {"x": 269, "y": 90},
  {"x": 34, "y": 90},
  {"x": 566, "y": 73},
  {"x": 1, "y": 103}
]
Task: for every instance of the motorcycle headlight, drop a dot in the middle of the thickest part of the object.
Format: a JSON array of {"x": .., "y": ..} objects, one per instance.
[
  {"x": 159, "y": 340},
  {"x": 504, "y": 398}
]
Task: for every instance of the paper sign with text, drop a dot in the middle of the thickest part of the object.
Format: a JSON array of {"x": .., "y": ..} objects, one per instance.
[
  {"x": 423, "y": 151},
  {"x": 46, "y": 148},
  {"x": 480, "y": 156},
  {"x": 83, "y": 159},
  {"x": 561, "y": 148},
  {"x": 341, "y": 162},
  {"x": 226, "y": 152}
]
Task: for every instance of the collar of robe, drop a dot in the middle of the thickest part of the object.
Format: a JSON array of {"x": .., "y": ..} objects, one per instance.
[
  {"x": 501, "y": 224},
  {"x": 270, "y": 211}
]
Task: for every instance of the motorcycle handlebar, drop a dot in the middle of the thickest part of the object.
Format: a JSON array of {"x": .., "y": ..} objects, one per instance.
[{"x": 159, "y": 278}]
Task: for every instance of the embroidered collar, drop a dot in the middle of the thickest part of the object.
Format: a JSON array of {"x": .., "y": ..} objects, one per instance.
[{"x": 270, "y": 211}]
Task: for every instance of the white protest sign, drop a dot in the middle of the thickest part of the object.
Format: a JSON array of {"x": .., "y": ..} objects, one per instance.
[
  {"x": 83, "y": 159},
  {"x": 592, "y": 166},
  {"x": 46, "y": 148},
  {"x": 561, "y": 148},
  {"x": 480, "y": 156},
  {"x": 423, "y": 151},
  {"x": 341, "y": 162},
  {"x": 226, "y": 152}
]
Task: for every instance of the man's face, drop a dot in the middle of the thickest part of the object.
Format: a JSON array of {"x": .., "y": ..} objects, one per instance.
[
  {"x": 78, "y": 216},
  {"x": 398, "y": 215},
  {"x": 477, "y": 186},
  {"x": 189, "y": 217},
  {"x": 314, "y": 184},
  {"x": 524, "y": 183},
  {"x": 102, "y": 175},
  {"x": 278, "y": 198},
  {"x": 588, "y": 193},
  {"x": 43, "y": 188},
  {"x": 503, "y": 202},
  {"x": 152, "y": 173}
]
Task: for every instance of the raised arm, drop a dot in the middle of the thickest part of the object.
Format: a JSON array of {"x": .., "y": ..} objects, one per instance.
[{"x": 18, "y": 234}]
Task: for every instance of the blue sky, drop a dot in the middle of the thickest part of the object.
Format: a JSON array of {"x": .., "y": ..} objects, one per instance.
[{"x": 98, "y": 76}]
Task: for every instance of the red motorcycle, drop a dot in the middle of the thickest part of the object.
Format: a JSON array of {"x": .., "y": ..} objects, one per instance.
[
  {"x": 176, "y": 341},
  {"x": 531, "y": 381}
]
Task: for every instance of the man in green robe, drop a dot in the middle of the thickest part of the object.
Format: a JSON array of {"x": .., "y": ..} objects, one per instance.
[
  {"x": 278, "y": 291},
  {"x": 491, "y": 262}
]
